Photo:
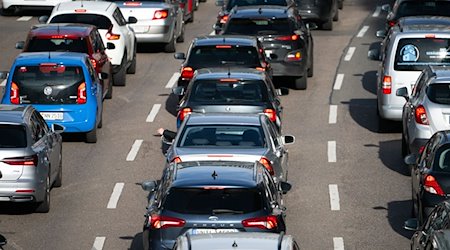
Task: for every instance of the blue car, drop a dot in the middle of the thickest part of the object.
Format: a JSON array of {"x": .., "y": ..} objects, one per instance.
[{"x": 63, "y": 86}]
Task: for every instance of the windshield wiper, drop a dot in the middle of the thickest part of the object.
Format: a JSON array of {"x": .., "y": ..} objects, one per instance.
[{"x": 226, "y": 211}]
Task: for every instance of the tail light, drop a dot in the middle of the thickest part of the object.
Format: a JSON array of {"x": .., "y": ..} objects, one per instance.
[
  {"x": 94, "y": 63},
  {"x": 431, "y": 185},
  {"x": 14, "y": 93},
  {"x": 265, "y": 222},
  {"x": 421, "y": 149},
  {"x": 25, "y": 161},
  {"x": 421, "y": 115},
  {"x": 112, "y": 36},
  {"x": 176, "y": 159},
  {"x": 160, "y": 14},
  {"x": 162, "y": 222},
  {"x": 392, "y": 23},
  {"x": 294, "y": 56},
  {"x": 386, "y": 86},
  {"x": 287, "y": 38},
  {"x": 223, "y": 19},
  {"x": 271, "y": 114},
  {"x": 183, "y": 113},
  {"x": 187, "y": 73},
  {"x": 266, "y": 163},
  {"x": 81, "y": 94}
]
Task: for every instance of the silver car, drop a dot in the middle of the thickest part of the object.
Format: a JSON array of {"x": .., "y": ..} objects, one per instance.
[
  {"x": 30, "y": 156},
  {"x": 232, "y": 137},
  {"x": 427, "y": 109}
]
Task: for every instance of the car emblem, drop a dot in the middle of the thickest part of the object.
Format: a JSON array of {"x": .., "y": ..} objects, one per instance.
[
  {"x": 213, "y": 218},
  {"x": 228, "y": 109},
  {"x": 48, "y": 90}
]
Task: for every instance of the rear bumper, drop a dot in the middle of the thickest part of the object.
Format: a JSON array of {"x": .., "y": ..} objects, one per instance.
[
  {"x": 8, "y": 190},
  {"x": 282, "y": 68},
  {"x": 317, "y": 14},
  {"x": 76, "y": 119},
  {"x": 391, "y": 112},
  {"x": 155, "y": 34}
]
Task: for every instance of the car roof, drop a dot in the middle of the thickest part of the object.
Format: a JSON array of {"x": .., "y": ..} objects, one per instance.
[
  {"x": 78, "y": 30},
  {"x": 12, "y": 114},
  {"x": 225, "y": 40},
  {"x": 93, "y": 7},
  {"x": 266, "y": 11},
  {"x": 241, "y": 240},
  {"x": 221, "y": 73},
  {"x": 442, "y": 73},
  {"x": 224, "y": 119},
  {"x": 28, "y": 58},
  {"x": 424, "y": 24}
]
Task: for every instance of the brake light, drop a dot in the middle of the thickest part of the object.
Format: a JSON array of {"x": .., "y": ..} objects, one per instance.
[
  {"x": 24, "y": 161},
  {"x": 187, "y": 73},
  {"x": 266, "y": 163},
  {"x": 14, "y": 93},
  {"x": 392, "y": 23},
  {"x": 132, "y": 3},
  {"x": 229, "y": 80},
  {"x": 271, "y": 114},
  {"x": 112, "y": 36},
  {"x": 183, "y": 113},
  {"x": 25, "y": 191},
  {"x": 94, "y": 63},
  {"x": 160, "y": 14},
  {"x": 421, "y": 115},
  {"x": 223, "y": 46},
  {"x": 176, "y": 159},
  {"x": 80, "y": 10},
  {"x": 224, "y": 19},
  {"x": 265, "y": 222},
  {"x": 260, "y": 69},
  {"x": 421, "y": 149},
  {"x": 431, "y": 185},
  {"x": 430, "y": 36},
  {"x": 161, "y": 222},
  {"x": 294, "y": 56},
  {"x": 287, "y": 38},
  {"x": 386, "y": 86},
  {"x": 81, "y": 94}
]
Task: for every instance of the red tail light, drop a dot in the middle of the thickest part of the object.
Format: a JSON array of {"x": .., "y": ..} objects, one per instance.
[
  {"x": 81, "y": 95},
  {"x": 132, "y": 4},
  {"x": 265, "y": 222},
  {"x": 266, "y": 163},
  {"x": 112, "y": 36},
  {"x": 94, "y": 63},
  {"x": 386, "y": 86},
  {"x": 287, "y": 38},
  {"x": 271, "y": 114},
  {"x": 160, "y": 14},
  {"x": 187, "y": 73},
  {"x": 14, "y": 93},
  {"x": 224, "y": 19},
  {"x": 392, "y": 23},
  {"x": 421, "y": 149},
  {"x": 161, "y": 222},
  {"x": 183, "y": 113},
  {"x": 421, "y": 115},
  {"x": 431, "y": 185},
  {"x": 176, "y": 159},
  {"x": 25, "y": 161},
  {"x": 294, "y": 56}
]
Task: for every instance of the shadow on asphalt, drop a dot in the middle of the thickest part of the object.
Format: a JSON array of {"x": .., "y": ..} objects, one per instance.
[
  {"x": 172, "y": 104},
  {"x": 11, "y": 208},
  {"x": 398, "y": 213},
  {"x": 390, "y": 154},
  {"x": 31, "y": 12},
  {"x": 150, "y": 48},
  {"x": 369, "y": 82},
  {"x": 136, "y": 244}
]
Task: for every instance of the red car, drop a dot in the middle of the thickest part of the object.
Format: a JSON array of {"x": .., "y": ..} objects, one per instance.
[{"x": 74, "y": 38}]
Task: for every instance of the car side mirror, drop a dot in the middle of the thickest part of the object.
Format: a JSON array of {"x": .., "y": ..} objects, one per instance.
[
  {"x": 179, "y": 91},
  {"x": 402, "y": 92},
  {"x": 103, "y": 75},
  {"x": 110, "y": 46},
  {"x": 288, "y": 139},
  {"x": 386, "y": 7},
  {"x": 3, "y": 74},
  {"x": 312, "y": 26},
  {"x": 149, "y": 186},
  {"x": 374, "y": 54},
  {"x": 410, "y": 159},
  {"x": 282, "y": 91},
  {"x": 132, "y": 19},
  {"x": 380, "y": 33},
  {"x": 43, "y": 19},
  {"x": 220, "y": 2},
  {"x": 57, "y": 128},
  {"x": 411, "y": 224},
  {"x": 20, "y": 44},
  {"x": 217, "y": 28},
  {"x": 285, "y": 187},
  {"x": 3, "y": 241},
  {"x": 179, "y": 56}
]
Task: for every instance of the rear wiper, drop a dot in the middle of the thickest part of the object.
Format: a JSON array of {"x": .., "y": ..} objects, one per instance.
[{"x": 226, "y": 211}]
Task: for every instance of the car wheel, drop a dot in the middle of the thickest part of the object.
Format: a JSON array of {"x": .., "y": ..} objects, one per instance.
[
  {"x": 8, "y": 12},
  {"x": 132, "y": 68},
  {"x": 110, "y": 89},
  {"x": 341, "y": 4},
  {"x": 44, "y": 206},
  {"x": 91, "y": 136},
  {"x": 100, "y": 124},
  {"x": 119, "y": 77},
  {"x": 170, "y": 47},
  {"x": 301, "y": 82},
  {"x": 328, "y": 25},
  {"x": 191, "y": 19},
  {"x": 405, "y": 150},
  {"x": 145, "y": 239},
  {"x": 336, "y": 16},
  {"x": 196, "y": 4},
  {"x": 58, "y": 180},
  {"x": 180, "y": 38},
  {"x": 311, "y": 67}
]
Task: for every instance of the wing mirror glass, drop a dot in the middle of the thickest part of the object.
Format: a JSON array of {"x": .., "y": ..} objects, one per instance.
[
  {"x": 179, "y": 56},
  {"x": 149, "y": 185},
  {"x": 312, "y": 26},
  {"x": 103, "y": 76},
  {"x": 288, "y": 139},
  {"x": 110, "y": 46},
  {"x": 374, "y": 54},
  {"x": 411, "y": 224},
  {"x": 179, "y": 91},
  {"x": 410, "y": 159},
  {"x": 43, "y": 19},
  {"x": 380, "y": 33},
  {"x": 402, "y": 92},
  {"x": 3, "y": 74},
  {"x": 57, "y": 128},
  {"x": 132, "y": 19},
  {"x": 285, "y": 187},
  {"x": 282, "y": 91},
  {"x": 386, "y": 7},
  {"x": 220, "y": 2},
  {"x": 20, "y": 45}
]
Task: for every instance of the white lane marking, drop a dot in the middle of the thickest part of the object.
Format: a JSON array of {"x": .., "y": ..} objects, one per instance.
[
  {"x": 114, "y": 199},
  {"x": 212, "y": 33},
  {"x": 332, "y": 151},
  {"x": 349, "y": 54},
  {"x": 338, "y": 81},
  {"x": 24, "y": 18},
  {"x": 363, "y": 31},
  {"x": 332, "y": 118},
  {"x": 338, "y": 243},
  {"x": 98, "y": 243},
  {"x": 377, "y": 12},
  {"x": 3, "y": 83},
  {"x": 134, "y": 150},
  {"x": 152, "y": 115},
  {"x": 334, "y": 197},
  {"x": 173, "y": 80}
]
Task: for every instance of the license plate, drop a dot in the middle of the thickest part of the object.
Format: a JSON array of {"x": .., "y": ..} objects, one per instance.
[
  {"x": 213, "y": 230},
  {"x": 268, "y": 52},
  {"x": 52, "y": 115},
  {"x": 141, "y": 29}
]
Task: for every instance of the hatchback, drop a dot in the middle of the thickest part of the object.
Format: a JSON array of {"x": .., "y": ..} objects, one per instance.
[{"x": 322, "y": 12}]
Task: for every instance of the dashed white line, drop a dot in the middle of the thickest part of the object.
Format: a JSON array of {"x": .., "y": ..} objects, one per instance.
[
  {"x": 331, "y": 151},
  {"x": 363, "y": 31},
  {"x": 332, "y": 117},
  {"x": 338, "y": 243},
  {"x": 152, "y": 115},
  {"x": 98, "y": 243},
  {"x": 377, "y": 12},
  {"x": 173, "y": 80},
  {"x": 349, "y": 54},
  {"x": 334, "y": 197},
  {"x": 134, "y": 150},
  {"x": 338, "y": 82},
  {"x": 114, "y": 199},
  {"x": 3, "y": 83},
  {"x": 24, "y": 18}
]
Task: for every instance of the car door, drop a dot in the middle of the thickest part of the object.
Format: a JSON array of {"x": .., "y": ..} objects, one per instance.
[
  {"x": 279, "y": 157},
  {"x": 127, "y": 31},
  {"x": 101, "y": 58},
  {"x": 41, "y": 145},
  {"x": 275, "y": 200},
  {"x": 416, "y": 98}
]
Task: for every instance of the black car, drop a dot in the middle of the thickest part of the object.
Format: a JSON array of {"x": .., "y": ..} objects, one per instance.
[
  {"x": 322, "y": 12},
  {"x": 237, "y": 90},
  {"x": 212, "y": 197},
  {"x": 287, "y": 41},
  {"x": 222, "y": 51}
]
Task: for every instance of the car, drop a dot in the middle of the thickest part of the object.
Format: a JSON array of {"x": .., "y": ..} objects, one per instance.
[
  {"x": 10, "y": 7},
  {"x": 158, "y": 21},
  {"x": 237, "y": 90},
  {"x": 188, "y": 8},
  {"x": 221, "y": 51},
  {"x": 286, "y": 39},
  {"x": 321, "y": 12},
  {"x": 426, "y": 109},
  {"x": 407, "y": 49},
  {"x": 212, "y": 197},
  {"x": 241, "y": 240},
  {"x": 81, "y": 38},
  {"x": 30, "y": 157},
  {"x": 62, "y": 86},
  {"x": 111, "y": 24},
  {"x": 232, "y": 137}
]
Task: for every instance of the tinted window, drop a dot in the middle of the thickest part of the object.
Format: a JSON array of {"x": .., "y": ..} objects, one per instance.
[
  {"x": 73, "y": 45},
  {"x": 416, "y": 53},
  {"x": 209, "y": 201},
  {"x": 218, "y": 56},
  {"x": 429, "y": 8},
  {"x": 232, "y": 3},
  {"x": 13, "y": 136},
  {"x": 101, "y": 22},
  {"x": 48, "y": 84},
  {"x": 439, "y": 93},
  {"x": 223, "y": 91},
  {"x": 246, "y": 26}
]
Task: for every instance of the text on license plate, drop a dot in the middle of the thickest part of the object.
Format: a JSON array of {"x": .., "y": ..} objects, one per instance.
[
  {"x": 52, "y": 115},
  {"x": 213, "y": 230}
]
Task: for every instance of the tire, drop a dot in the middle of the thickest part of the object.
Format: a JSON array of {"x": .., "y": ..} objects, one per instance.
[
  {"x": 405, "y": 150},
  {"x": 180, "y": 38},
  {"x": 336, "y": 16},
  {"x": 8, "y": 12},
  {"x": 100, "y": 124},
  {"x": 110, "y": 89},
  {"x": 58, "y": 180},
  {"x": 301, "y": 82},
  {"x": 191, "y": 19},
  {"x": 132, "y": 68},
  {"x": 120, "y": 77},
  {"x": 196, "y": 4},
  {"x": 328, "y": 25},
  {"x": 340, "y": 4},
  {"x": 145, "y": 241},
  {"x": 170, "y": 47},
  {"x": 44, "y": 206},
  {"x": 91, "y": 136},
  {"x": 310, "y": 72}
]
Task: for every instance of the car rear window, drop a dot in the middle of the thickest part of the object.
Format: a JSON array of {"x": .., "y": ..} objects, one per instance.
[
  {"x": 413, "y": 54},
  {"x": 209, "y": 200},
  {"x": 222, "y": 136},
  {"x": 57, "y": 44},
  {"x": 439, "y": 93},
  {"x": 13, "y": 136},
  {"x": 232, "y": 3},
  {"x": 428, "y": 8},
  {"x": 229, "y": 91},
  {"x": 260, "y": 26},
  {"x": 48, "y": 84},
  {"x": 223, "y": 55},
  {"x": 101, "y": 22}
]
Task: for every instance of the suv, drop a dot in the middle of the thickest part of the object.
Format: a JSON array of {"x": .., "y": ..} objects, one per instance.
[
  {"x": 287, "y": 41},
  {"x": 322, "y": 12},
  {"x": 81, "y": 38},
  {"x": 30, "y": 156},
  {"x": 212, "y": 197},
  {"x": 112, "y": 27}
]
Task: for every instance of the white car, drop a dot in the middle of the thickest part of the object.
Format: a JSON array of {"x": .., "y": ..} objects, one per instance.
[
  {"x": 10, "y": 6},
  {"x": 112, "y": 26}
]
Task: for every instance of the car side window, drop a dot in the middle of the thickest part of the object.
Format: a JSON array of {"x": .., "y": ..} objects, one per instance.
[
  {"x": 99, "y": 42},
  {"x": 419, "y": 85},
  {"x": 37, "y": 128},
  {"x": 91, "y": 70},
  {"x": 274, "y": 134},
  {"x": 119, "y": 17},
  {"x": 272, "y": 187}
]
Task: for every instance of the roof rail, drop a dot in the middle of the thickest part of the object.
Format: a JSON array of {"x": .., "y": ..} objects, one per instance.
[{"x": 280, "y": 239}]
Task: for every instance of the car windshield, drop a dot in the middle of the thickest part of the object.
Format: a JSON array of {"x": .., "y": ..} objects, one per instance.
[
  {"x": 13, "y": 136},
  {"x": 101, "y": 22},
  {"x": 56, "y": 44},
  {"x": 429, "y": 8},
  {"x": 254, "y": 27},
  {"x": 222, "y": 136},
  {"x": 225, "y": 91},
  {"x": 414, "y": 54},
  {"x": 48, "y": 83},
  {"x": 232, "y": 3},
  {"x": 224, "y": 55},
  {"x": 211, "y": 201},
  {"x": 439, "y": 93}
]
